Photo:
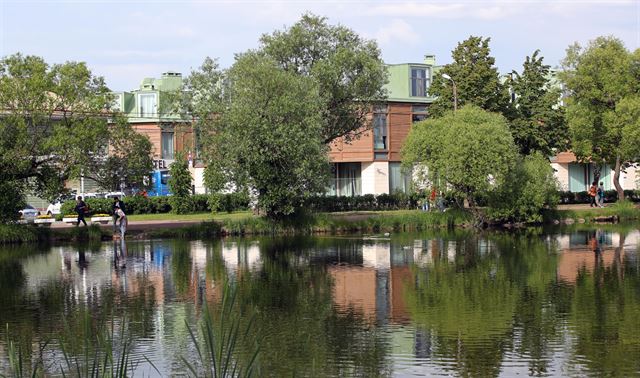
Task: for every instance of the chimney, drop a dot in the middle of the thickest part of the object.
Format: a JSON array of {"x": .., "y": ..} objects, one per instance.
[{"x": 430, "y": 59}]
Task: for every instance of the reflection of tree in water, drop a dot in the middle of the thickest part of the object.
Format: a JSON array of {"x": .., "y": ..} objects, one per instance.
[
  {"x": 181, "y": 266},
  {"x": 542, "y": 304},
  {"x": 302, "y": 333},
  {"x": 472, "y": 306},
  {"x": 606, "y": 317}
]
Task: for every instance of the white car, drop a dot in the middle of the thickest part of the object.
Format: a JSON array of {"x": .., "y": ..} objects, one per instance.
[
  {"x": 29, "y": 212},
  {"x": 115, "y": 194},
  {"x": 54, "y": 208}
]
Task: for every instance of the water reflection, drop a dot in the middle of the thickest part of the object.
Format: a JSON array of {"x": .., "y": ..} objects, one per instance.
[{"x": 433, "y": 304}]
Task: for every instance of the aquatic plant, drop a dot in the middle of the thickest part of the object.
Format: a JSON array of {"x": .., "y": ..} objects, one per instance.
[{"x": 225, "y": 344}]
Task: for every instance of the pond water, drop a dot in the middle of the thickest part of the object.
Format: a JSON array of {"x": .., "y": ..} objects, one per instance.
[{"x": 558, "y": 303}]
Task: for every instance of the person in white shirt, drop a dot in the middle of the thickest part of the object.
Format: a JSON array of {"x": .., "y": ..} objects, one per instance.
[{"x": 122, "y": 218}]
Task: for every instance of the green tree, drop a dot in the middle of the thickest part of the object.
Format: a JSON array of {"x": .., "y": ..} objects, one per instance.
[
  {"x": 476, "y": 77},
  {"x": 269, "y": 137},
  {"x": 603, "y": 80},
  {"x": 348, "y": 69},
  {"x": 471, "y": 152},
  {"x": 530, "y": 188},
  {"x": 128, "y": 161},
  {"x": 180, "y": 184},
  {"x": 52, "y": 124},
  {"x": 538, "y": 122}
]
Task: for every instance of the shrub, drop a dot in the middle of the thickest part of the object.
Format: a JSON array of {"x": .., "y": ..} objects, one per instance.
[
  {"x": 12, "y": 201},
  {"x": 530, "y": 188}
]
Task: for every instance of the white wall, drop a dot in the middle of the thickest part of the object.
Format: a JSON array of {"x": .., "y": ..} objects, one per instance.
[
  {"x": 562, "y": 174},
  {"x": 197, "y": 175},
  {"x": 375, "y": 177}
]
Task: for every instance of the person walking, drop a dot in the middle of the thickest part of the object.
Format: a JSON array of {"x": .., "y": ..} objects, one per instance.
[
  {"x": 117, "y": 203},
  {"x": 593, "y": 189},
  {"x": 81, "y": 209},
  {"x": 122, "y": 217},
  {"x": 601, "y": 194}
]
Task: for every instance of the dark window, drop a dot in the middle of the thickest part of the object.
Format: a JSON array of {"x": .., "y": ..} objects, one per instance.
[
  {"x": 164, "y": 177},
  {"x": 380, "y": 155},
  {"x": 380, "y": 128},
  {"x": 419, "y": 82},
  {"x": 167, "y": 145},
  {"x": 418, "y": 113}
]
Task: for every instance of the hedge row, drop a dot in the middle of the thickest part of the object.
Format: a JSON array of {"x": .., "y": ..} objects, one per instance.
[
  {"x": 367, "y": 202},
  {"x": 152, "y": 205},
  {"x": 240, "y": 201},
  {"x": 609, "y": 196}
]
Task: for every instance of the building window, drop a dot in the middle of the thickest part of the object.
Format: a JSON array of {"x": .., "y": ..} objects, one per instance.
[
  {"x": 346, "y": 179},
  {"x": 167, "y": 145},
  {"x": 380, "y": 128},
  {"x": 419, "y": 82},
  {"x": 399, "y": 179},
  {"x": 148, "y": 105},
  {"x": 418, "y": 113},
  {"x": 115, "y": 105}
]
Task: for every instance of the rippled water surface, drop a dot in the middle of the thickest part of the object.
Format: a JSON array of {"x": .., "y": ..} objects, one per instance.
[{"x": 446, "y": 303}]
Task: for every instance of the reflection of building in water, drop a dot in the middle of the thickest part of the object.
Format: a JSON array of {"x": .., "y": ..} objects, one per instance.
[
  {"x": 585, "y": 250},
  {"x": 375, "y": 288},
  {"x": 239, "y": 256}
]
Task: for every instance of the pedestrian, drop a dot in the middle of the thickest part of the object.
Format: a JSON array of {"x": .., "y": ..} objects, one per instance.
[
  {"x": 116, "y": 203},
  {"x": 122, "y": 217},
  {"x": 593, "y": 191},
  {"x": 81, "y": 209},
  {"x": 601, "y": 194}
]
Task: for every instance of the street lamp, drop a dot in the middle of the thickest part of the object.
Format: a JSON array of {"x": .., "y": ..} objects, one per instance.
[{"x": 455, "y": 92}]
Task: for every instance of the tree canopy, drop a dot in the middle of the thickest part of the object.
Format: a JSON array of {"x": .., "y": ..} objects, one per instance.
[
  {"x": 536, "y": 119},
  {"x": 54, "y": 126},
  {"x": 470, "y": 151},
  {"x": 268, "y": 139},
  {"x": 603, "y": 80},
  {"x": 347, "y": 68},
  {"x": 476, "y": 77},
  {"x": 51, "y": 124}
]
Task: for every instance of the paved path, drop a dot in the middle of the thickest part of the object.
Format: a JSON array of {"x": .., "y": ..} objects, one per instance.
[
  {"x": 137, "y": 225},
  {"x": 155, "y": 224}
]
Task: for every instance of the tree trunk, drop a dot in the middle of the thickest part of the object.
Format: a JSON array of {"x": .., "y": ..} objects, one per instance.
[
  {"x": 596, "y": 173},
  {"x": 616, "y": 179}
]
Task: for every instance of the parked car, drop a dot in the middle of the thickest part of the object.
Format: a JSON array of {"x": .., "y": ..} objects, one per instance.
[
  {"x": 115, "y": 194},
  {"x": 29, "y": 212},
  {"x": 54, "y": 208}
]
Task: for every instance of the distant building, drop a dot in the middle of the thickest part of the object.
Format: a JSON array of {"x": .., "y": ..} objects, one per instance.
[
  {"x": 371, "y": 164},
  {"x": 169, "y": 133}
]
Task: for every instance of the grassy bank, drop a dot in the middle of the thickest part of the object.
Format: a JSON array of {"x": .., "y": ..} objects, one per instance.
[
  {"x": 616, "y": 212},
  {"x": 209, "y": 225},
  {"x": 19, "y": 233},
  {"x": 333, "y": 223}
]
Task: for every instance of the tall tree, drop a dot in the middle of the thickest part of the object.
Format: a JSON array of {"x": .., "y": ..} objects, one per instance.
[
  {"x": 537, "y": 121},
  {"x": 268, "y": 139},
  {"x": 348, "y": 69},
  {"x": 51, "y": 124},
  {"x": 180, "y": 184},
  {"x": 476, "y": 77},
  {"x": 603, "y": 111}
]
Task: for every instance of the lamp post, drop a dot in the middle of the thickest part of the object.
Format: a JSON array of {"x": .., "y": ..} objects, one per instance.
[{"x": 455, "y": 92}]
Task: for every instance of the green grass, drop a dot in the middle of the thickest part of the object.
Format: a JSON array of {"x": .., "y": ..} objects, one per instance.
[
  {"x": 190, "y": 217},
  {"x": 623, "y": 211}
]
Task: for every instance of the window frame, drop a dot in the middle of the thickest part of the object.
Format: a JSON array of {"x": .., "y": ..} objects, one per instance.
[{"x": 426, "y": 80}]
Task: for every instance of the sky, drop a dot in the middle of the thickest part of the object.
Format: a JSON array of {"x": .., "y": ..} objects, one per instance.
[{"x": 125, "y": 41}]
